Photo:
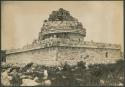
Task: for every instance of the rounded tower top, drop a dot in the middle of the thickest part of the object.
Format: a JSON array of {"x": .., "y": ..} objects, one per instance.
[
  {"x": 62, "y": 22},
  {"x": 61, "y": 15}
]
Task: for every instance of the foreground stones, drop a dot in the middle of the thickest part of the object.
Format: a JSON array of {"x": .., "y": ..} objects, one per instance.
[
  {"x": 66, "y": 75},
  {"x": 29, "y": 82},
  {"x": 5, "y": 78}
]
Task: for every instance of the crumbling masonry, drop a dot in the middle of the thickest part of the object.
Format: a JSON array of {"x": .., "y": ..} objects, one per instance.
[{"x": 62, "y": 39}]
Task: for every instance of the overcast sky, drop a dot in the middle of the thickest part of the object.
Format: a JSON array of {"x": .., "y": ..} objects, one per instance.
[{"x": 22, "y": 20}]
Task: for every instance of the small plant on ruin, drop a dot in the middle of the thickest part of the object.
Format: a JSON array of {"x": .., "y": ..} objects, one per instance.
[{"x": 81, "y": 64}]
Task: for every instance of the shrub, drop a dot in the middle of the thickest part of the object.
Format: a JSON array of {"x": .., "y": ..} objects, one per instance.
[
  {"x": 66, "y": 67},
  {"x": 81, "y": 64}
]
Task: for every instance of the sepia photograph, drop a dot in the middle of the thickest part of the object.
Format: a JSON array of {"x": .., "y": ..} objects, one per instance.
[{"x": 62, "y": 43}]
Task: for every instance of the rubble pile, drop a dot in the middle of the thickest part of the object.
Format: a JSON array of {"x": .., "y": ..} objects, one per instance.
[{"x": 61, "y": 15}]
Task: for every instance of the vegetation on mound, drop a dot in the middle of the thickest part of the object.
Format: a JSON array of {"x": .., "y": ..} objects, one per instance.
[{"x": 78, "y": 75}]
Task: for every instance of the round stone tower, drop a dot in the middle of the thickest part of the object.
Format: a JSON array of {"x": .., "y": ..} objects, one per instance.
[
  {"x": 61, "y": 25},
  {"x": 61, "y": 40}
]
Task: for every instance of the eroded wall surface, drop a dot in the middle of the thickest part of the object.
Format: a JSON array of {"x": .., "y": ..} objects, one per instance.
[
  {"x": 40, "y": 56},
  {"x": 59, "y": 55},
  {"x": 89, "y": 55}
]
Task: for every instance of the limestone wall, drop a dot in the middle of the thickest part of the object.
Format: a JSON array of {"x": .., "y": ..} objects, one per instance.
[
  {"x": 76, "y": 37},
  {"x": 89, "y": 55},
  {"x": 74, "y": 40},
  {"x": 58, "y": 55},
  {"x": 47, "y": 55},
  {"x": 61, "y": 23}
]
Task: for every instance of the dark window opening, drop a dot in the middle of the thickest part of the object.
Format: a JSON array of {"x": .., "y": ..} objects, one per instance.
[{"x": 106, "y": 54}]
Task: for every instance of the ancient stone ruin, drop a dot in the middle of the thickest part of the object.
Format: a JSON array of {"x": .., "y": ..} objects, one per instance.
[{"x": 61, "y": 40}]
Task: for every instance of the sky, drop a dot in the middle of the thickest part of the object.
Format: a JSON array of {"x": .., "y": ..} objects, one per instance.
[{"x": 21, "y": 21}]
